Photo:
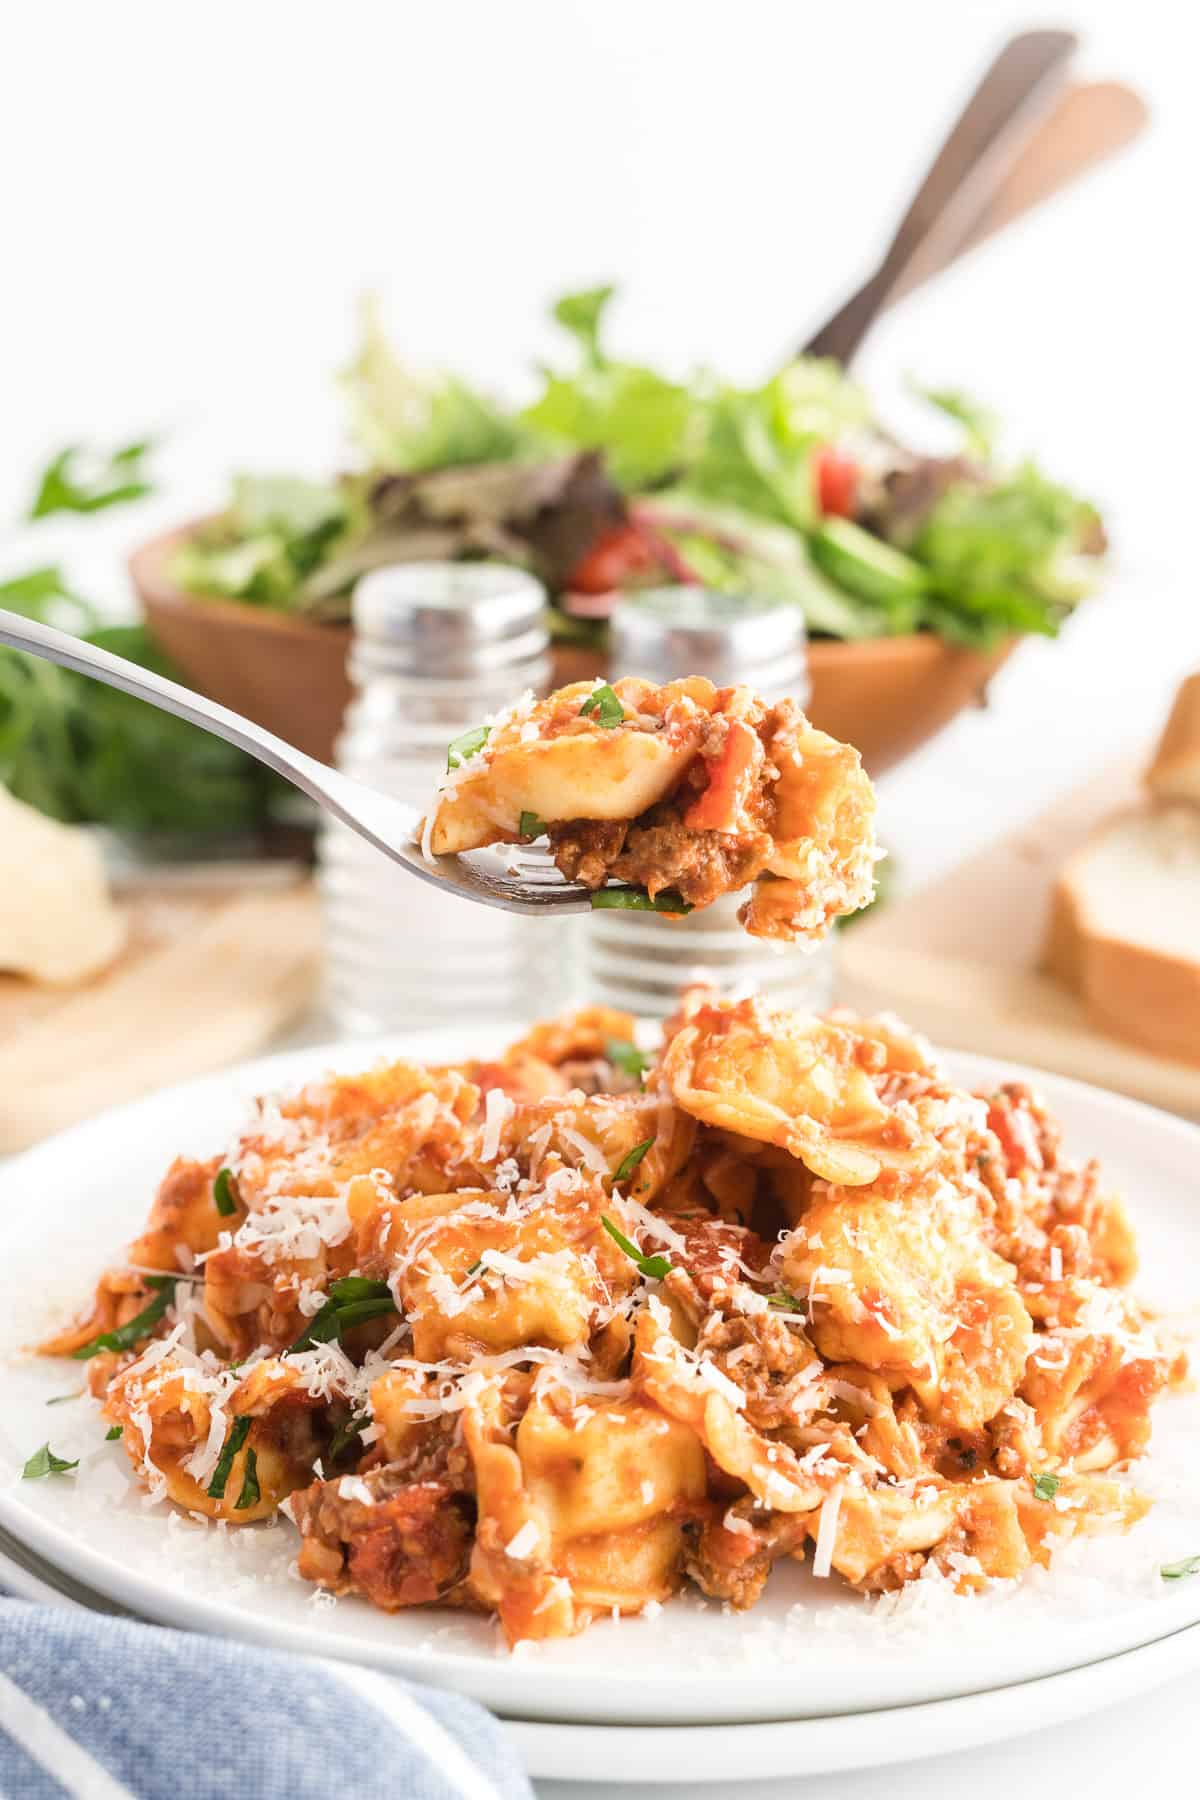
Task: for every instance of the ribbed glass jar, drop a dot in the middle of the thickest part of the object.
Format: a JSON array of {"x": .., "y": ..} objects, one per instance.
[
  {"x": 437, "y": 647},
  {"x": 641, "y": 960}
]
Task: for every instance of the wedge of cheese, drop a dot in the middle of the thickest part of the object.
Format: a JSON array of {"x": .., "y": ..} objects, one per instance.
[
  {"x": 58, "y": 923},
  {"x": 1125, "y": 929}
]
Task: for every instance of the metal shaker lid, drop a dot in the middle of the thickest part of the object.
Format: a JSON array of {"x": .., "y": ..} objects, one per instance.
[
  {"x": 667, "y": 633},
  {"x": 446, "y": 619}
]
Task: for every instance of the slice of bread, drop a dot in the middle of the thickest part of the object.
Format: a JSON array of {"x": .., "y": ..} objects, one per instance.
[
  {"x": 1175, "y": 772},
  {"x": 1125, "y": 929}
]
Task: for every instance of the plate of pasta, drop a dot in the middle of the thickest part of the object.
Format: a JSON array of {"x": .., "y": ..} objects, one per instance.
[{"x": 774, "y": 1369}]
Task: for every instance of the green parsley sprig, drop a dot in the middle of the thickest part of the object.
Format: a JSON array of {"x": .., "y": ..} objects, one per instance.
[
  {"x": 465, "y": 746},
  {"x": 124, "y": 1337},
  {"x": 628, "y": 1058},
  {"x": 1045, "y": 1487},
  {"x": 224, "y": 1198},
  {"x": 653, "y": 1266},
  {"x": 604, "y": 703},
  {"x": 530, "y": 826},
  {"x": 352, "y": 1301},
  {"x": 251, "y": 1493},
  {"x": 631, "y": 1159},
  {"x": 636, "y": 899},
  {"x": 239, "y": 1432},
  {"x": 44, "y": 1462}
]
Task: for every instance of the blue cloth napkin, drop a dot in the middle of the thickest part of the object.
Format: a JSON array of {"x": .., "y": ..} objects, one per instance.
[{"x": 107, "y": 1709}]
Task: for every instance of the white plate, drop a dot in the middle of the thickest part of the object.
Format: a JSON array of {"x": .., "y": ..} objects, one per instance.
[
  {"x": 693, "y": 1754},
  {"x": 690, "y": 1755},
  {"x": 811, "y": 1649}
]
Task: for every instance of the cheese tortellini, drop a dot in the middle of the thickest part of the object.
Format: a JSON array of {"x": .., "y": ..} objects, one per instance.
[{"x": 536, "y": 1337}]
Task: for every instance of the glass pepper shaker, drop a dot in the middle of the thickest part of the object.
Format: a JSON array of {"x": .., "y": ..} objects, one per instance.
[
  {"x": 437, "y": 648},
  {"x": 641, "y": 961}
]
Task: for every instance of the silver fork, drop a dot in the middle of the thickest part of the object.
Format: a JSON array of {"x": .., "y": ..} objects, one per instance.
[{"x": 513, "y": 877}]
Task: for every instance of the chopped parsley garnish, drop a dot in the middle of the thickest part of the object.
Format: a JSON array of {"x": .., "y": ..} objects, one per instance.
[
  {"x": 1181, "y": 1570},
  {"x": 251, "y": 1494},
  {"x": 636, "y": 899},
  {"x": 61, "y": 1399},
  {"x": 607, "y": 708},
  {"x": 345, "y": 1434},
  {"x": 352, "y": 1301},
  {"x": 1045, "y": 1487},
  {"x": 113, "y": 1433},
  {"x": 654, "y": 1266},
  {"x": 465, "y": 747},
  {"x": 475, "y": 1267},
  {"x": 124, "y": 1337},
  {"x": 224, "y": 1468},
  {"x": 628, "y": 1058},
  {"x": 530, "y": 825},
  {"x": 630, "y": 1161},
  {"x": 44, "y": 1462},
  {"x": 785, "y": 1302},
  {"x": 223, "y": 1196}
]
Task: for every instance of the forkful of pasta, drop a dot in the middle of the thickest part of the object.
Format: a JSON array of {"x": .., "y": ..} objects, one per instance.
[
  {"x": 665, "y": 798},
  {"x": 659, "y": 798}
]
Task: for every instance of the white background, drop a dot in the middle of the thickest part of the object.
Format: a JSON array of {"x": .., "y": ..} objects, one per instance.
[{"x": 194, "y": 196}]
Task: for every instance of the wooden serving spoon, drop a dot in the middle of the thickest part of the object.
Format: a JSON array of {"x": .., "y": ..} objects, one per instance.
[{"x": 1018, "y": 140}]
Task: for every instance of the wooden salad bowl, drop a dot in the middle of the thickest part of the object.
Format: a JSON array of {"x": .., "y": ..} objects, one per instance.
[{"x": 887, "y": 695}]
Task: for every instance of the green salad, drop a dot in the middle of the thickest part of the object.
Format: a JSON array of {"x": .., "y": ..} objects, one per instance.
[{"x": 617, "y": 476}]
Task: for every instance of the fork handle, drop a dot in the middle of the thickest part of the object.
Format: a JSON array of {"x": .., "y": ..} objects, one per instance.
[{"x": 326, "y": 786}]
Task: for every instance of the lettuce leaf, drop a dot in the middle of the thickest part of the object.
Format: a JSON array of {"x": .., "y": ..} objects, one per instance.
[
  {"x": 404, "y": 420},
  {"x": 1010, "y": 556}
]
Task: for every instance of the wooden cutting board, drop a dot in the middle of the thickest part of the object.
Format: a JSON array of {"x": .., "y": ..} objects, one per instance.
[
  {"x": 219, "y": 961},
  {"x": 959, "y": 959}
]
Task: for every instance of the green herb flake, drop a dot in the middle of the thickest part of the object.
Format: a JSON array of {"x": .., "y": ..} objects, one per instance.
[
  {"x": 530, "y": 826},
  {"x": 653, "y": 1266},
  {"x": 1045, "y": 1487},
  {"x": 785, "y": 1302},
  {"x": 465, "y": 747},
  {"x": 352, "y": 1300},
  {"x": 61, "y": 1399},
  {"x": 126, "y": 1336},
  {"x": 475, "y": 1267},
  {"x": 113, "y": 1433},
  {"x": 1179, "y": 1571},
  {"x": 345, "y": 1434},
  {"x": 628, "y": 1058},
  {"x": 635, "y": 899},
  {"x": 224, "y": 1468},
  {"x": 630, "y": 1160},
  {"x": 251, "y": 1493},
  {"x": 44, "y": 1462},
  {"x": 223, "y": 1195},
  {"x": 607, "y": 708}
]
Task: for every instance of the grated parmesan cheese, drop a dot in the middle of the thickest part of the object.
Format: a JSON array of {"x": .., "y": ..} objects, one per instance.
[
  {"x": 831, "y": 1506},
  {"x": 523, "y": 1543}
]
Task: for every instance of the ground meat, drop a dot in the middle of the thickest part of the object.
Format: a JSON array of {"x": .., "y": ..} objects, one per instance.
[
  {"x": 767, "y": 1358},
  {"x": 658, "y": 851},
  {"x": 406, "y": 1548},
  {"x": 733, "y": 1565}
]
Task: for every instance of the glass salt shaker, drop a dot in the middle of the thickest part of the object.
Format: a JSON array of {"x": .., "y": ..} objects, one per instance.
[
  {"x": 640, "y": 961},
  {"x": 437, "y": 647}
]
